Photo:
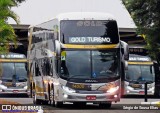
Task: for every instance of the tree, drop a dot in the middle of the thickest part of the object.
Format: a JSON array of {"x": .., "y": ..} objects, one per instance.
[
  {"x": 146, "y": 14},
  {"x": 7, "y": 33},
  {"x": 19, "y": 1}
]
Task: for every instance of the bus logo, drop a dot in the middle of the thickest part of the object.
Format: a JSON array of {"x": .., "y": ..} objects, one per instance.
[
  {"x": 94, "y": 75},
  {"x": 91, "y": 81}
]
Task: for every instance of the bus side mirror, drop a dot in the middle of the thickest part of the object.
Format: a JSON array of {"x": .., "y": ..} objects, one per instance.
[
  {"x": 151, "y": 69},
  {"x": 156, "y": 67},
  {"x": 26, "y": 66},
  {"x": 57, "y": 49},
  {"x": 125, "y": 65},
  {"x": 125, "y": 50}
]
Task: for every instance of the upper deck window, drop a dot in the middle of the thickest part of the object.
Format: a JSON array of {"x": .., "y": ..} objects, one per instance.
[{"x": 89, "y": 32}]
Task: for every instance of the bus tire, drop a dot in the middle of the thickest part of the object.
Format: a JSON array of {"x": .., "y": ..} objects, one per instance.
[
  {"x": 31, "y": 89},
  {"x": 58, "y": 104},
  {"x": 45, "y": 102},
  {"x": 105, "y": 105}
]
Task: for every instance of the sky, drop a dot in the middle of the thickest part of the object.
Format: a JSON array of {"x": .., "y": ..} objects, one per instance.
[{"x": 34, "y": 12}]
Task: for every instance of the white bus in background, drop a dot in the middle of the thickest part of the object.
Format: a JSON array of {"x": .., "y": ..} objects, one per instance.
[
  {"x": 76, "y": 57},
  {"x": 13, "y": 71},
  {"x": 141, "y": 69}
]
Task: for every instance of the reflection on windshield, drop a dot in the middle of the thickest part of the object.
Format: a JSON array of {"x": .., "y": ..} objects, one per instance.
[
  {"x": 13, "y": 71},
  {"x": 89, "y": 64},
  {"x": 140, "y": 73},
  {"x": 104, "y": 64}
]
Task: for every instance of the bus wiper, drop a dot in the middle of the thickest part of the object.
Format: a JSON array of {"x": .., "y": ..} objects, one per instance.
[
  {"x": 24, "y": 79},
  {"x": 7, "y": 79},
  {"x": 135, "y": 81},
  {"x": 148, "y": 81},
  {"x": 72, "y": 76}
]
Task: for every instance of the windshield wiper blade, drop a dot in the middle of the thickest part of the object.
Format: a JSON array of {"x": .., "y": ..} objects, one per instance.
[
  {"x": 72, "y": 76},
  {"x": 135, "y": 81},
  {"x": 7, "y": 80}
]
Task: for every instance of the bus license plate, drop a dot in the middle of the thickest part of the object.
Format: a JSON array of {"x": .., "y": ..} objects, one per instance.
[
  {"x": 15, "y": 91},
  {"x": 141, "y": 92},
  {"x": 90, "y": 97}
]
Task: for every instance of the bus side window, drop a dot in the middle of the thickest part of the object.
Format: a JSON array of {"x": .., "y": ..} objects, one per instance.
[
  {"x": 36, "y": 70},
  {"x": 43, "y": 62},
  {"x": 51, "y": 68},
  {"x": 47, "y": 67}
]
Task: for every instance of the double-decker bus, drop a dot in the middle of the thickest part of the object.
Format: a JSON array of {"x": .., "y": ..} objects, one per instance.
[
  {"x": 13, "y": 72},
  {"x": 141, "y": 69},
  {"x": 76, "y": 57}
]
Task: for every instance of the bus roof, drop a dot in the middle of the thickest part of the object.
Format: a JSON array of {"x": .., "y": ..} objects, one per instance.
[
  {"x": 77, "y": 16},
  {"x": 85, "y": 16}
]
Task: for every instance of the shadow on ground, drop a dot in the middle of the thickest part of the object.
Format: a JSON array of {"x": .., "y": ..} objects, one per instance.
[{"x": 13, "y": 96}]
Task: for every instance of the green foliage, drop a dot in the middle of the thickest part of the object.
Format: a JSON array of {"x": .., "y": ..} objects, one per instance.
[
  {"x": 146, "y": 15},
  {"x": 7, "y": 33},
  {"x": 19, "y": 1}
]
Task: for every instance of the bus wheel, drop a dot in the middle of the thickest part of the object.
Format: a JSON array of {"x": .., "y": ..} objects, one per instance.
[
  {"x": 45, "y": 102},
  {"x": 58, "y": 104},
  {"x": 105, "y": 105},
  {"x": 31, "y": 93},
  {"x": 35, "y": 100}
]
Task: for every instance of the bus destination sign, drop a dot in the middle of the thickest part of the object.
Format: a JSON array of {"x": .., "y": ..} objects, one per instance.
[
  {"x": 90, "y": 40},
  {"x": 139, "y": 59},
  {"x": 12, "y": 56}
]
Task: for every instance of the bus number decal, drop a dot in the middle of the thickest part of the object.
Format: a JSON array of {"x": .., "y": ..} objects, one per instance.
[
  {"x": 78, "y": 86},
  {"x": 136, "y": 85}
]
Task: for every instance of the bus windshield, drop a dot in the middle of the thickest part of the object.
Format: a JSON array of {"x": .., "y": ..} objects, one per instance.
[
  {"x": 89, "y": 64},
  {"x": 140, "y": 73},
  {"x": 89, "y": 32},
  {"x": 12, "y": 71}
]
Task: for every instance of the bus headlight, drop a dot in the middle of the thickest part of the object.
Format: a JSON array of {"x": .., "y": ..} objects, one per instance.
[
  {"x": 67, "y": 89},
  {"x": 113, "y": 89},
  {"x": 129, "y": 88},
  {"x": 151, "y": 89},
  {"x": 25, "y": 87},
  {"x": 56, "y": 83},
  {"x": 0, "y": 81},
  {"x": 2, "y": 86}
]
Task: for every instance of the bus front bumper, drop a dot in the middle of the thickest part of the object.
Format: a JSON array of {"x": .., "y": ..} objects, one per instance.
[
  {"x": 138, "y": 92},
  {"x": 13, "y": 91},
  {"x": 88, "y": 96},
  {"x": 91, "y": 98}
]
